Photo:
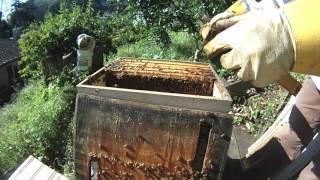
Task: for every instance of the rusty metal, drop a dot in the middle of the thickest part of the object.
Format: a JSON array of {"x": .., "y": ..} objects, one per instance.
[{"x": 134, "y": 140}]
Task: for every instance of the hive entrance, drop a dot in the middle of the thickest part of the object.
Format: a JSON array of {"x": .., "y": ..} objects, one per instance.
[{"x": 163, "y": 76}]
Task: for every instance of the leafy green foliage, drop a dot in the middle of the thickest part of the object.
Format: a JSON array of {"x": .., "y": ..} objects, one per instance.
[
  {"x": 69, "y": 76},
  {"x": 36, "y": 123},
  {"x": 299, "y": 77},
  {"x": 182, "y": 47},
  {"x": 57, "y": 36},
  {"x": 37, "y": 9},
  {"x": 22, "y": 14},
  {"x": 258, "y": 111},
  {"x": 126, "y": 29},
  {"x": 163, "y": 16}
]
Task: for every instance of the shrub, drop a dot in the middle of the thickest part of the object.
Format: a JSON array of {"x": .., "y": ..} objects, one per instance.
[
  {"x": 57, "y": 36},
  {"x": 183, "y": 47},
  {"x": 163, "y": 16},
  {"x": 127, "y": 29},
  {"x": 36, "y": 123}
]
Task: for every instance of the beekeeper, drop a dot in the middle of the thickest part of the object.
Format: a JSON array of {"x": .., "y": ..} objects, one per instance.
[
  {"x": 86, "y": 45},
  {"x": 264, "y": 42}
]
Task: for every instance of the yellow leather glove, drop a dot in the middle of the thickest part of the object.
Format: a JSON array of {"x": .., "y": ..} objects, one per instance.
[
  {"x": 229, "y": 17},
  {"x": 260, "y": 46},
  {"x": 223, "y": 20},
  {"x": 264, "y": 48}
]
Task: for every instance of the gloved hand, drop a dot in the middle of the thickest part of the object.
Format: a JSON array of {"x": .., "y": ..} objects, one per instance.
[
  {"x": 233, "y": 15},
  {"x": 217, "y": 24},
  {"x": 225, "y": 19},
  {"x": 260, "y": 45},
  {"x": 214, "y": 22},
  {"x": 210, "y": 29}
]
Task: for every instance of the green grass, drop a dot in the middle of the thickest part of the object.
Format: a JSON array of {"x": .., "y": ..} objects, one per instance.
[
  {"x": 183, "y": 47},
  {"x": 258, "y": 112},
  {"x": 36, "y": 123}
]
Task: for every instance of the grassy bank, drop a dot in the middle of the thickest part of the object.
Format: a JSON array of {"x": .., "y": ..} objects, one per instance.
[
  {"x": 36, "y": 122},
  {"x": 183, "y": 47}
]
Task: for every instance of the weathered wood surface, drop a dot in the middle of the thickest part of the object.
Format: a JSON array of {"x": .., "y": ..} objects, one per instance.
[
  {"x": 218, "y": 101},
  {"x": 162, "y": 76},
  {"x": 33, "y": 169},
  {"x": 160, "y": 98},
  {"x": 140, "y": 133},
  {"x": 218, "y": 144},
  {"x": 139, "y": 140},
  {"x": 97, "y": 58}
]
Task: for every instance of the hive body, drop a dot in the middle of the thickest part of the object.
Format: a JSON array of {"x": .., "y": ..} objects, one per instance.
[{"x": 142, "y": 119}]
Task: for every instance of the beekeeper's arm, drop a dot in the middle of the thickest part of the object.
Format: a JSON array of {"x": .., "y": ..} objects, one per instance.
[{"x": 266, "y": 44}]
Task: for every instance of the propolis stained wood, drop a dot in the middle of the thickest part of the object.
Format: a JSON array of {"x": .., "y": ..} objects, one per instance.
[{"x": 142, "y": 119}]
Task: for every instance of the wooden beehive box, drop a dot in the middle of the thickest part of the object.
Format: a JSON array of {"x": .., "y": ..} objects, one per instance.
[{"x": 158, "y": 119}]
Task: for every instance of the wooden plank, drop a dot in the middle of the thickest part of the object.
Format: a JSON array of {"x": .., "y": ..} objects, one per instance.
[
  {"x": 21, "y": 168},
  {"x": 43, "y": 173},
  {"x": 165, "y": 65},
  {"x": 153, "y": 134},
  {"x": 218, "y": 144},
  {"x": 161, "y": 61},
  {"x": 206, "y": 103},
  {"x": 220, "y": 85},
  {"x": 166, "y": 74},
  {"x": 159, "y": 66},
  {"x": 33, "y": 169},
  {"x": 220, "y": 102},
  {"x": 243, "y": 140},
  {"x": 113, "y": 128},
  {"x": 133, "y": 74},
  {"x": 28, "y": 170}
]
